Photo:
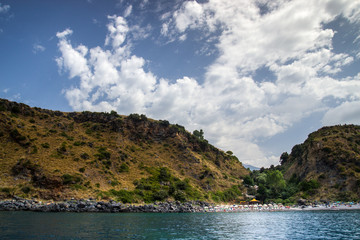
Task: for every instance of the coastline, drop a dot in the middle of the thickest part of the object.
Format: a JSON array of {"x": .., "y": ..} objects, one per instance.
[{"x": 91, "y": 205}]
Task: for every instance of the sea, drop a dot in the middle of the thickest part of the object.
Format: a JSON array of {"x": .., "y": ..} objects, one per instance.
[{"x": 242, "y": 225}]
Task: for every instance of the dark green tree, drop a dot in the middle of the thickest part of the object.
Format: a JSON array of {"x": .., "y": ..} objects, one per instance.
[
  {"x": 284, "y": 158},
  {"x": 199, "y": 134}
]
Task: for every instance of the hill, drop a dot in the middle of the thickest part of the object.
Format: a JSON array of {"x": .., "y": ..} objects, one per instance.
[
  {"x": 56, "y": 155},
  {"x": 250, "y": 167},
  {"x": 326, "y": 167},
  {"x": 328, "y": 162}
]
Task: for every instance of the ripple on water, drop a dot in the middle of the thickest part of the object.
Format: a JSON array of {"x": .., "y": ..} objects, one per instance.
[{"x": 246, "y": 225}]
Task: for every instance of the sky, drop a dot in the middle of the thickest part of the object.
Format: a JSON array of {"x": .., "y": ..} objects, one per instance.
[{"x": 256, "y": 75}]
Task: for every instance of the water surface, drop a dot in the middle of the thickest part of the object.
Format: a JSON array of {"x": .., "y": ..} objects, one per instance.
[{"x": 246, "y": 225}]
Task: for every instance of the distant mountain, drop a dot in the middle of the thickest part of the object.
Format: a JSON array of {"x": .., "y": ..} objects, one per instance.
[
  {"x": 327, "y": 163},
  {"x": 55, "y": 155},
  {"x": 251, "y": 167}
]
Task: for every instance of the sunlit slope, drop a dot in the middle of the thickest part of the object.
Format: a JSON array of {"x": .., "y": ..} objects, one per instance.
[{"x": 56, "y": 155}]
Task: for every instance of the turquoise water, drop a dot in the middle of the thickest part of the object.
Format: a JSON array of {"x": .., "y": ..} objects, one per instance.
[{"x": 246, "y": 225}]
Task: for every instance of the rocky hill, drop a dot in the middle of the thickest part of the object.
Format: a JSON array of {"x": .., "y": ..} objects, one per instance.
[
  {"x": 55, "y": 155},
  {"x": 327, "y": 164}
]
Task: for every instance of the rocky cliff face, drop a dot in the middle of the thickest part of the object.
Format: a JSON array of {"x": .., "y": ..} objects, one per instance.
[
  {"x": 55, "y": 155},
  {"x": 330, "y": 158}
]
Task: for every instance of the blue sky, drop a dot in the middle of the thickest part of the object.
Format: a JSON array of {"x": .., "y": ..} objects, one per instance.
[{"x": 256, "y": 75}]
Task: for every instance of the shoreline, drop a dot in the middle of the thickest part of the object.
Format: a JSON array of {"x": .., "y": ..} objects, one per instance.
[
  {"x": 93, "y": 206},
  {"x": 90, "y": 205}
]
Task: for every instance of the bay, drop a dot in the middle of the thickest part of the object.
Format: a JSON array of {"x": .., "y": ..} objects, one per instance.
[{"x": 243, "y": 225}]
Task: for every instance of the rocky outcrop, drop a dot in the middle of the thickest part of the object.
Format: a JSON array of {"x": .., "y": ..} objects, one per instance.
[{"x": 90, "y": 205}]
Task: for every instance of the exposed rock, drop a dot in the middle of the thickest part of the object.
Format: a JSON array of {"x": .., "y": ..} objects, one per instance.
[{"x": 19, "y": 204}]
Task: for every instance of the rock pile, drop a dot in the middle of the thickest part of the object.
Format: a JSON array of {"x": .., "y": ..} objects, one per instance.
[{"x": 91, "y": 205}]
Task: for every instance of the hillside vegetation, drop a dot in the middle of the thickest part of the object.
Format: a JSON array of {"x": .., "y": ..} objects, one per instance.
[
  {"x": 325, "y": 167},
  {"x": 330, "y": 159},
  {"x": 55, "y": 155}
]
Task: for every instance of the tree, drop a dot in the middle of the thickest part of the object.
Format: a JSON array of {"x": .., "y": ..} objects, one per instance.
[
  {"x": 248, "y": 180},
  {"x": 284, "y": 158},
  {"x": 275, "y": 179},
  {"x": 261, "y": 178},
  {"x": 229, "y": 152},
  {"x": 262, "y": 193},
  {"x": 199, "y": 134},
  {"x": 164, "y": 174}
]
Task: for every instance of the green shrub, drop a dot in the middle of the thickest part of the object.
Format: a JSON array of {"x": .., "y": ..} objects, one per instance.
[
  {"x": 248, "y": 180},
  {"x": 114, "y": 183},
  {"x": 45, "y": 145},
  {"x": 52, "y": 131},
  {"x": 6, "y": 190},
  {"x": 62, "y": 148},
  {"x": 137, "y": 118},
  {"x": 124, "y": 168},
  {"x": 229, "y": 153},
  {"x": 34, "y": 150},
  {"x": 70, "y": 179},
  {"x": 181, "y": 185},
  {"x": 309, "y": 185},
  {"x": 107, "y": 163},
  {"x": 180, "y": 196},
  {"x": 15, "y": 134},
  {"x": 15, "y": 109},
  {"x": 164, "y": 123},
  {"x": 78, "y": 143},
  {"x": 164, "y": 174},
  {"x": 103, "y": 154},
  {"x": 67, "y": 136},
  {"x": 160, "y": 195},
  {"x": 122, "y": 195},
  {"x": 26, "y": 189}
]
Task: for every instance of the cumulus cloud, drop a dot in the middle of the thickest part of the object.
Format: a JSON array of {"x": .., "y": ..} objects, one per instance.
[
  {"x": 236, "y": 111},
  {"x": 4, "y": 8},
  {"x": 117, "y": 31}
]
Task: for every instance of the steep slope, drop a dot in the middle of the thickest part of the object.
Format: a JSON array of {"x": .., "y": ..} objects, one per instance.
[
  {"x": 327, "y": 163},
  {"x": 56, "y": 155}
]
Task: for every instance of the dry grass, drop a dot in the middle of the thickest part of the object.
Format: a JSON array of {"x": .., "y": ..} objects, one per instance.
[{"x": 59, "y": 145}]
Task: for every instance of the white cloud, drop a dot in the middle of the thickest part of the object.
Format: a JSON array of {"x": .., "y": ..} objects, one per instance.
[
  {"x": 346, "y": 113},
  {"x": 188, "y": 16},
  {"x": 4, "y": 8},
  {"x": 38, "y": 48},
  {"x": 128, "y": 11},
  {"x": 183, "y": 37},
  {"x": 64, "y": 33},
  {"x": 117, "y": 29},
  {"x": 234, "y": 109}
]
